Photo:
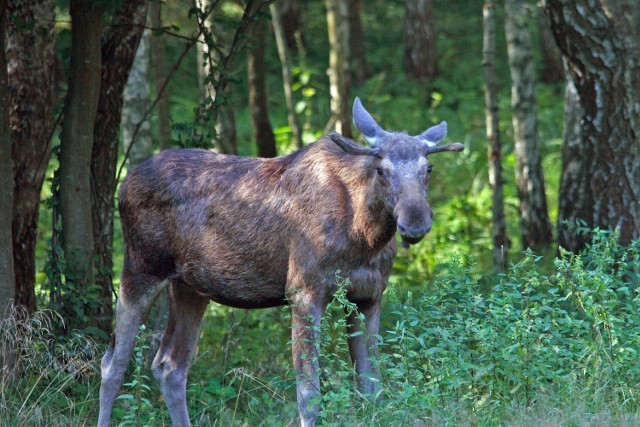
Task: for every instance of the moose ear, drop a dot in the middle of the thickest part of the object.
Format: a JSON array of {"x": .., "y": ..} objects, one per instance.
[
  {"x": 366, "y": 124},
  {"x": 434, "y": 135}
]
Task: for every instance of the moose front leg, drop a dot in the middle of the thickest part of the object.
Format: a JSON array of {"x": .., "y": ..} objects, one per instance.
[
  {"x": 363, "y": 347},
  {"x": 305, "y": 334}
]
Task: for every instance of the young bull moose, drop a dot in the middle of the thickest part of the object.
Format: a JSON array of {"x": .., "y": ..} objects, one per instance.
[{"x": 256, "y": 233}]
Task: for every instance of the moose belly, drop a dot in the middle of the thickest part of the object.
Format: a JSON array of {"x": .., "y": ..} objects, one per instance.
[{"x": 243, "y": 283}]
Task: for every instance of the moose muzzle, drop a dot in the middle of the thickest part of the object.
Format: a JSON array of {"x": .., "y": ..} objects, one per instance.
[{"x": 413, "y": 220}]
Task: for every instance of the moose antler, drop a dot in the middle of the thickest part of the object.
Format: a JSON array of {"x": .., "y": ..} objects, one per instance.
[
  {"x": 449, "y": 147},
  {"x": 351, "y": 147}
]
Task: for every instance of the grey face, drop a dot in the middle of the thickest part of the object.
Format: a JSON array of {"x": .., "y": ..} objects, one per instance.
[{"x": 404, "y": 171}]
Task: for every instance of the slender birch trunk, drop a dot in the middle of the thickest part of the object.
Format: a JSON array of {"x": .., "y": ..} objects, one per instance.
[
  {"x": 500, "y": 240},
  {"x": 535, "y": 225},
  {"x": 136, "y": 128}
]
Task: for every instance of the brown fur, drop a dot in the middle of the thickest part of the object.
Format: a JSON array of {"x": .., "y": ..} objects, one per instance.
[{"x": 228, "y": 226}]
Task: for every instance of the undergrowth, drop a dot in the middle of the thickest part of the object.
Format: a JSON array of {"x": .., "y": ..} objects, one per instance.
[
  {"x": 50, "y": 383},
  {"x": 523, "y": 347}
]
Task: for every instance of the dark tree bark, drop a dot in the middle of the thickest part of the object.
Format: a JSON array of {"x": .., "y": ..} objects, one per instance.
[
  {"x": 420, "y": 55},
  {"x": 360, "y": 66},
  {"x": 536, "y": 228},
  {"x": 339, "y": 58},
  {"x": 159, "y": 64},
  {"x": 574, "y": 182},
  {"x": 283, "y": 53},
  {"x": 8, "y": 348},
  {"x": 76, "y": 143},
  {"x": 500, "y": 240},
  {"x": 7, "y": 276},
  {"x": 552, "y": 69},
  {"x": 31, "y": 59},
  {"x": 119, "y": 45},
  {"x": 602, "y": 51},
  {"x": 262, "y": 130},
  {"x": 292, "y": 24}
]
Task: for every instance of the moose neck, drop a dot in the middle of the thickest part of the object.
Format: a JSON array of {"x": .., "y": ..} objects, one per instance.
[{"x": 372, "y": 223}]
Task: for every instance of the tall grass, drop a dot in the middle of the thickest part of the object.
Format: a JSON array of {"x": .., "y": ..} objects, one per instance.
[{"x": 53, "y": 382}]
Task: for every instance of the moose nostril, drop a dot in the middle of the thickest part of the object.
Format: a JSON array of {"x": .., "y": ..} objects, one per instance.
[{"x": 402, "y": 229}]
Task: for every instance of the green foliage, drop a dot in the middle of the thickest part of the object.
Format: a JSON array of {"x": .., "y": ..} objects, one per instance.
[
  {"x": 138, "y": 408},
  {"x": 523, "y": 337},
  {"x": 526, "y": 346},
  {"x": 483, "y": 350}
]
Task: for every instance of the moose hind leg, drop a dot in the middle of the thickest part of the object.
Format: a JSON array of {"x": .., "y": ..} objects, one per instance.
[
  {"x": 136, "y": 296},
  {"x": 171, "y": 364}
]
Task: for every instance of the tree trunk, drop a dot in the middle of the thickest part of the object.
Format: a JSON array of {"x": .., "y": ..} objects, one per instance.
[
  {"x": 8, "y": 348},
  {"x": 76, "y": 143},
  {"x": 360, "y": 66},
  {"x": 7, "y": 275},
  {"x": 574, "y": 182},
  {"x": 210, "y": 53},
  {"x": 292, "y": 24},
  {"x": 119, "y": 45},
  {"x": 159, "y": 61},
  {"x": 136, "y": 128},
  {"x": 262, "y": 130},
  {"x": 500, "y": 240},
  {"x": 283, "y": 52},
  {"x": 552, "y": 69},
  {"x": 536, "y": 228},
  {"x": 420, "y": 55},
  {"x": 603, "y": 55},
  {"x": 31, "y": 59},
  {"x": 339, "y": 57}
]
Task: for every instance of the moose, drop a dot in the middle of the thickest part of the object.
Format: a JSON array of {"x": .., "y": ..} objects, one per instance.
[{"x": 256, "y": 233}]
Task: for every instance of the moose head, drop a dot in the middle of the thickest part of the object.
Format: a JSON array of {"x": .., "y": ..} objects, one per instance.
[{"x": 402, "y": 169}]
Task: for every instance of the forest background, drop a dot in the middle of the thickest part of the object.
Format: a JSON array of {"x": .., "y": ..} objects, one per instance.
[{"x": 520, "y": 306}]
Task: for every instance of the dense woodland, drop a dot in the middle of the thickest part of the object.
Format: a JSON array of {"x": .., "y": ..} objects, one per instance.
[{"x": 520, "y": 306}]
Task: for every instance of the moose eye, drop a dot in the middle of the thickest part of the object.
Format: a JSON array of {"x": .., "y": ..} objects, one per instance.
[
  {"x": 429, "y": 169},
  {"x": 379, "y": 171}
]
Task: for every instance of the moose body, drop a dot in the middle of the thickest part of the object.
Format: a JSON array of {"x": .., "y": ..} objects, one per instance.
[{"x": 256, "y": 233}]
